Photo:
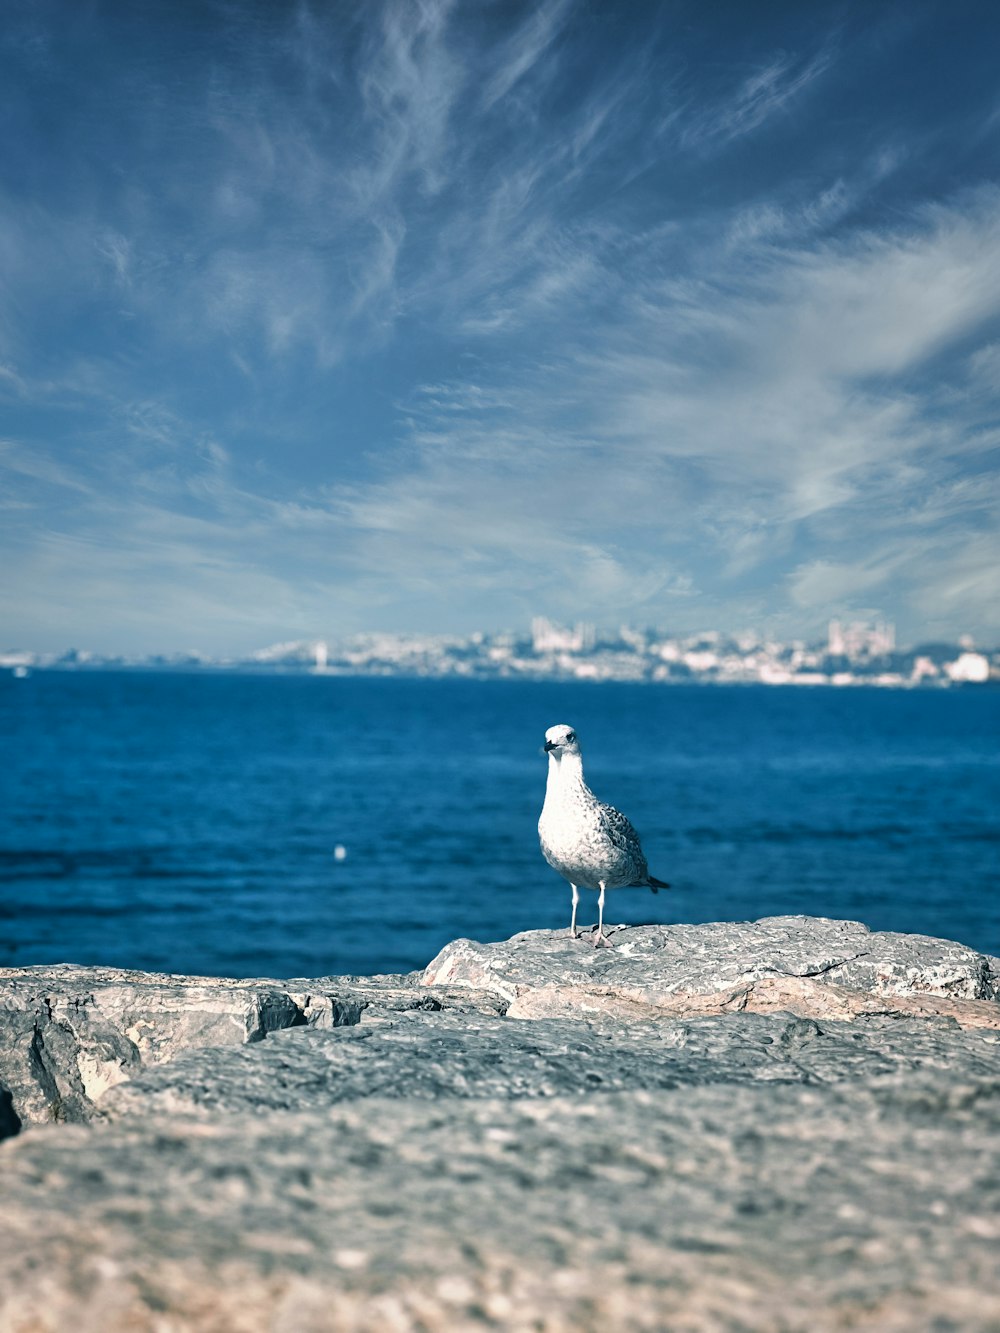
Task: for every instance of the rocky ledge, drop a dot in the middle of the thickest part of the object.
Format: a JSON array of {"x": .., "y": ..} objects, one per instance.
[{"x": 779, "y": 1125}]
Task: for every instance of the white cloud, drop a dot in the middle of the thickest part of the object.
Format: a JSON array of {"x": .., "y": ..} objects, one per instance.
[
  {"x": 984, "y": 367},
  {"x": 822, "y": 584},
  {"x": 723, "y": 417},
  {"x": 629, "y": 394},
  {"x": 409, "y": 84},
  {"x": 524, "y": 49},
  {"x": 766, "y": 92}
]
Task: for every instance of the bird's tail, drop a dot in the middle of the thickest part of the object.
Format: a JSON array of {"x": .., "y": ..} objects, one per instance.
[{"x": 657, "y": 884}]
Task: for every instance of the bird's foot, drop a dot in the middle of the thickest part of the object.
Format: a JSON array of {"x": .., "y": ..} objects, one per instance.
[
  {"x": 573, "y": 933},
  {"x": 602, "y": 936}
]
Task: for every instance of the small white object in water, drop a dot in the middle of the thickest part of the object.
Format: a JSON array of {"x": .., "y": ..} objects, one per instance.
[
  {"x": 340, "y": 852},
  {"x": 591, "y": 844}
]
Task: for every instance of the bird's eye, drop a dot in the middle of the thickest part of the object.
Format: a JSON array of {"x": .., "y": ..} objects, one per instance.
[{"x": 571, "y": 736}]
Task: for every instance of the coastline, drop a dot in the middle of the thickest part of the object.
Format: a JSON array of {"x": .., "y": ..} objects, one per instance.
[{"x": 812, "y": 681}]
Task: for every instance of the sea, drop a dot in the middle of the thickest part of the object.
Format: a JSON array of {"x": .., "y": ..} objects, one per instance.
[{"x": 305, "y": 825}]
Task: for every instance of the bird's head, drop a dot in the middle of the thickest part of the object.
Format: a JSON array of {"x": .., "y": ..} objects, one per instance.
[{"x": 560, "y": 740}]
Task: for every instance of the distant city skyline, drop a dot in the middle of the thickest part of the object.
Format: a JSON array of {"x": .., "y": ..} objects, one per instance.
[
  {"x": 846, "y": 638},
  {"x": 320, "y": 318},
  {"x": 849, "y": 655}
]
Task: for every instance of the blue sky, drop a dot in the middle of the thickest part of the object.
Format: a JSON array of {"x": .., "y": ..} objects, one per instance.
[{"x": 319, "y": 318}]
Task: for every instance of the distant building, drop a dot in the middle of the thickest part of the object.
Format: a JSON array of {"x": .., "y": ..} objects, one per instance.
[
  {"x": 701, "y": 662},
  {"x": 291, "y": 653},
  {"x": 636, "y": 639},
  {"x": 547, "y": 637},
  {"x": 855, "y": 654},
  {"x": 923, "y": 669},
  {"x": 859, "y": 642},
  {"x": 969, "y": 668}
]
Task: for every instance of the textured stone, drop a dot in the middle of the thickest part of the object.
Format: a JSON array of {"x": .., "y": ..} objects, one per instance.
[
  {"x": 805, "y": 996},
  {"x": 67, "y": 1034},
  {"x": 764, "y": 1206},
  {"x": 781, "y": 1126},
  {"x": 430, "y": 1056},
  {"x": 648, "y": 963}
]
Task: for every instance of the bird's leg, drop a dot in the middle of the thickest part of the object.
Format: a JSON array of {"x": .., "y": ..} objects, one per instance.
[
  {"x": 572, "y": 924},
  {"x": 600, "y": 938}
]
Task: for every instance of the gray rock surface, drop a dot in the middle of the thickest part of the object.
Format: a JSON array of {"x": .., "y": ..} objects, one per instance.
[
  {"x": 764, "y": 1206},
  {"x": 430, "y": 1056},
  {"x": 784, "y": 1125},
  {"x": 68, "y": 1034},
  {"x": 657, "y": 966}
]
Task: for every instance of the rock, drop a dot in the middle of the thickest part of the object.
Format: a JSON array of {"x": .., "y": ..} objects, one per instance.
[
  {"x": 782, "y": 1125},
  {"x": 68, "y": 1034},
  {"x": 648, "y": 964},
  {"x": 804, "y": 996},
  {"x": 763, "y": 1206},
  {"x": 420, "y": 1056}
]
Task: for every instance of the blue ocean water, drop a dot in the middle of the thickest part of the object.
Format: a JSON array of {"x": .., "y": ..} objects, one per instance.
[{"x": 188, "y": 823}]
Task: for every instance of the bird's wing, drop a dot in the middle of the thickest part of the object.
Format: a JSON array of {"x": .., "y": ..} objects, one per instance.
[{"x": 620, "y": 832}]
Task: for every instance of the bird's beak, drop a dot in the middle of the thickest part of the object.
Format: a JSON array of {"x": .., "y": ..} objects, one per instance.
[{"x": 549, "y": 745}]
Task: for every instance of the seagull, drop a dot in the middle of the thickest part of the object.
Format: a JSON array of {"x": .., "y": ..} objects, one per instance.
[{"x": 592, "y": 845}]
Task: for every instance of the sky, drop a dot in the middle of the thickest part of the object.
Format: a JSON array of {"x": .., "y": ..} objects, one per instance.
[{"x": 421, "y": 316}]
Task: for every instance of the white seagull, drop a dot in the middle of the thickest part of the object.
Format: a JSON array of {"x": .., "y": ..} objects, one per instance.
[{"x": 592, "y": 845}]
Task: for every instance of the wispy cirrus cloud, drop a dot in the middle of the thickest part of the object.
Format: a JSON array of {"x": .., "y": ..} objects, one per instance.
[
  {"x": 409, "y": 81},
  {"x": 768, "y": 91},
  {"x": 524, "y": 49},
  {"x": 445, "y": 316},
  {"x": 727, "y": 421}
]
